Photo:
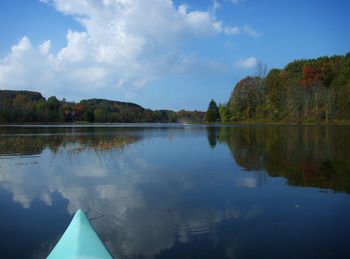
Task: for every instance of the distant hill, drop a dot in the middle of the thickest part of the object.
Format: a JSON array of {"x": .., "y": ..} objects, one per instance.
[
  {"x": 27, "y": 106},
  {"x": 10, "y": 95},
  {"x": 97, "y": 102}
]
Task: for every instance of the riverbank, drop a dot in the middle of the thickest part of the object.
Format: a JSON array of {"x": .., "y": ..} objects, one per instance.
[
  {"x": 268, "y": 122},
  {"x": 245, "y": 122}
]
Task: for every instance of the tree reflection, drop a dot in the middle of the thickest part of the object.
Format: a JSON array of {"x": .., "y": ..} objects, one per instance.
[
  {"x": 212, "y": 134},
  {"x": 306, "y": 156}
]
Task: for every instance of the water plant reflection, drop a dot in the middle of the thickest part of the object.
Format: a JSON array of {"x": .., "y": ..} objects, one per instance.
[{"x": 33, "y": 145}]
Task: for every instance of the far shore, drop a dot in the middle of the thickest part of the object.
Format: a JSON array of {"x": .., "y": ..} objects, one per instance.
[
  {"x": 265, "y": 122},
  {"x": 247, "y": 122}
]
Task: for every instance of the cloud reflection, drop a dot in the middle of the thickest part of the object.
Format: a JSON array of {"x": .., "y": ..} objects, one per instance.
[{"x": 147, "y": 208}]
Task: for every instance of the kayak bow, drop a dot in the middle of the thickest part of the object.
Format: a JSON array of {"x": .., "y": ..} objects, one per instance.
[{"x": 79, "y": 241}]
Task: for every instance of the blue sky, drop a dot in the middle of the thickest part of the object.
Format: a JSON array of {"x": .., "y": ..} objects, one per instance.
[{"x": 158, "y": 53}]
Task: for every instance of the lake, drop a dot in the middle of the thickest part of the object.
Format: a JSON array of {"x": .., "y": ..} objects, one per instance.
[{"x": 178, "y": 191}]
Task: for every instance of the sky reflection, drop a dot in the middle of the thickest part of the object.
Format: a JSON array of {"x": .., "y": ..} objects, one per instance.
[{"x": 159, "y": 195}]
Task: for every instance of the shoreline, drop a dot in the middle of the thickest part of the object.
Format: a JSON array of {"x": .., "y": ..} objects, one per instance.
[
  {"x": 287, "y": 123},
  {"x": 238, "y": 123}
]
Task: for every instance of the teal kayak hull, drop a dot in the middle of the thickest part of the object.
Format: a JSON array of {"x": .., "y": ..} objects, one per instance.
[{"x": 79, "y": 241}]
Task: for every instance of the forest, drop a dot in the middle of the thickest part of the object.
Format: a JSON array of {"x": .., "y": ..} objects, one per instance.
[
  {"x": 32, "y": 107},
  {"x": 310, "y": 90}
]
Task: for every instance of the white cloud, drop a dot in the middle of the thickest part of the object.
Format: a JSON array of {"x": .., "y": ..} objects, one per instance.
[
  {"x": 45, "y": 47},
  {"x": 216, "y": 5},
  {"x": 237, "y": 2},
  {"x": 26, "y": 67},
  {"x": 232, "y": 30},
  {"x": 122, "y": 47},
  {"x": 250, "y": 31},
  {"x": 246, "y": 63}
]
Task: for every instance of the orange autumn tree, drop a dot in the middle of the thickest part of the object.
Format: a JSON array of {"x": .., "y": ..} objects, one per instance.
[
  {"x": 79, "y": 110},
  {"x": 311, "y": 77},
  {"x": 311, "y": 82}
]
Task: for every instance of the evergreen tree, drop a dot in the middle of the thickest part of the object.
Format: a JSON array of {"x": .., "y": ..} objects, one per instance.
[{"x": 212, "y": 114}]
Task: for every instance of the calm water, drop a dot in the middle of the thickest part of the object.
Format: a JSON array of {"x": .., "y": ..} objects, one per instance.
[{"x": 179, "y": 192}]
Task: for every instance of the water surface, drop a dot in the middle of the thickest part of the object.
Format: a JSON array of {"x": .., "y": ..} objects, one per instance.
[{"x": 174, "y": 191}]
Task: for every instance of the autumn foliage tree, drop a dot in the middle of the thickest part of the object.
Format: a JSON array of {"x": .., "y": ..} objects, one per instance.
[
  {"x": 245, "y": 98},
  {"x": 311, "y": 82},
  {"x": 304, "y": 90}
]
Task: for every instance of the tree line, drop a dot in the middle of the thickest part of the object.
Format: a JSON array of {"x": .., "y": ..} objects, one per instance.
[
  {"x": 309, "y": 156},
  {"x": 310, "y": 90},
  {"x": 32, "y": 107}
]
